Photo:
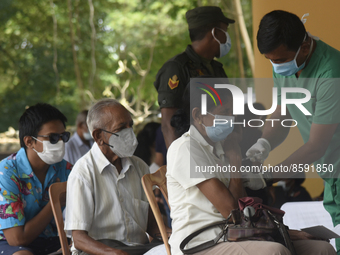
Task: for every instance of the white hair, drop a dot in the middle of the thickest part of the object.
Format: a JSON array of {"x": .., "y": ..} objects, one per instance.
[{"x": 95, "y": 117}]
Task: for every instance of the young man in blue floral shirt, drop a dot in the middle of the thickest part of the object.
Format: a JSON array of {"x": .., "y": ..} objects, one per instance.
[{"x": 26, "y": 219}]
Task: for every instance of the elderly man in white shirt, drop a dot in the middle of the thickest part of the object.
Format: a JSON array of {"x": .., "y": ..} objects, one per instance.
[{"x": 107, "y": 209}]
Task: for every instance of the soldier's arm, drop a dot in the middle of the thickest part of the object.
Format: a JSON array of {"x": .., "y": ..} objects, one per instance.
[
  {"x": 170, "y": 84},
  {"x": 167, "y": 129}
]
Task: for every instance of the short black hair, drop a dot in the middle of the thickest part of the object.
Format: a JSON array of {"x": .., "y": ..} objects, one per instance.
[
  {"x": 197, "y": 34},
  {"x": 280, "y": 28},
  {"x": 32, "y": 120}
]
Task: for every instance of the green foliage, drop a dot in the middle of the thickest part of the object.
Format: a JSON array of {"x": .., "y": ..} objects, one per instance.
[{"x": 26, "y": 50}]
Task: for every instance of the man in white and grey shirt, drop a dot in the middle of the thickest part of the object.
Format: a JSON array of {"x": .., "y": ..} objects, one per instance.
[{"x": 107, "y": 209}]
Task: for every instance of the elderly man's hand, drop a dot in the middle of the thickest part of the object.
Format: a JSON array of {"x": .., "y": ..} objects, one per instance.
[{"x": 301, "y": 235}]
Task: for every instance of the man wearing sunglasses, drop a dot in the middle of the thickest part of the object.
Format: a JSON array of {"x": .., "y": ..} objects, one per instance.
[
  {"x": 107, "y": 209},
  {"x": 26, "y": 225}
]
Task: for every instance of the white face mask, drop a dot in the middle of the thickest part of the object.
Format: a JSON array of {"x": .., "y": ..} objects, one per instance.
[
  {"x": 87, "y": 136},
  {"x": 123, "y": 143},
  {"x": 52, "y": 153},
  {"x": 224, "y": 47}
]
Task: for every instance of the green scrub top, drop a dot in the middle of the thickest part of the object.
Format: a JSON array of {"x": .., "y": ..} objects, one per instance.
[{"x": 322, "y": 78}]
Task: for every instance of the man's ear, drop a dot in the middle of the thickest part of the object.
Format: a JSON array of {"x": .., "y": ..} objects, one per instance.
[
  {"x": 29, "y": 141},
  {"x": 306, "y": 46},
  {"x": 196, "y": 115},
  {"x": 97, "y": 135},
  {"x": 211, "y": 34}
]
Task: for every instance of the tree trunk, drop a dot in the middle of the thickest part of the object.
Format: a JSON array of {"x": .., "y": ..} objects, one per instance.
[
  {"x": 93, "y": 47},
  {"x": 55, "y": 52},
  {"x": 75, "y": 59},
  {"x": 245, "y": 35},
  {"x": 239, "y": 51},
  {"x": 139, "y": 99}
]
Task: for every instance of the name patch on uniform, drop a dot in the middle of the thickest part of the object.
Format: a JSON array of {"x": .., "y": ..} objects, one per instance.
[{"x": 173, "y": 82}]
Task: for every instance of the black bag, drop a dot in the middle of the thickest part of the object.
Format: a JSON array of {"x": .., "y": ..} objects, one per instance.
[{"x": 254, "y": 221}]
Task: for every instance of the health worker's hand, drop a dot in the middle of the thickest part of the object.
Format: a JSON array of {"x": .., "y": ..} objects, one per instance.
[{"x": 259, "y": 151}]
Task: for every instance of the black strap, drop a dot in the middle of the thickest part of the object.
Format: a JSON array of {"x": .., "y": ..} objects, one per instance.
[
  {"x": 284, "y": 233},
  {"x": 205, "y": 245}
]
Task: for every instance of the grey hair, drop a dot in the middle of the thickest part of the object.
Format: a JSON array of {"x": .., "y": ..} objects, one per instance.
[
  {"x": 95, "y": 116},
  {"x": 81, "y": 117}
]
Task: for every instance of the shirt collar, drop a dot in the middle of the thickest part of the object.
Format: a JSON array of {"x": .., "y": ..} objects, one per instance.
[
  {"x": 193, "y": 55},
  {"x": 102, "y": 162},
  {"x": 197, "y": 59},
  {"x": 99, "y": 158},
  {"x": 126, "y": 164},
  {"x": 23, "y": 162},
  {"x": 25, "y": 168},
  {"x": 79, "y": 142},
  {"x": 195, "y": 134}
]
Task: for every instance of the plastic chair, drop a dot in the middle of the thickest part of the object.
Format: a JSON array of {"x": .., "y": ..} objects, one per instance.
[
  {"x": 57, "y": 193},
  {"x": 148, "y": 181}
]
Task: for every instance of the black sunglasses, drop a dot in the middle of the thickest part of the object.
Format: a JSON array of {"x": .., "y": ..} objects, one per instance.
[{"x": 54, "y": 137}]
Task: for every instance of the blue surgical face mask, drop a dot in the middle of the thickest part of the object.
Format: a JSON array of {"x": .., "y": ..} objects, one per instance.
[
  {"x": 288, "y": 68},
  {"x": 224, "y": 47},
  {"x": 291, "y": 67},
  {"x": 222, "y": 128}
]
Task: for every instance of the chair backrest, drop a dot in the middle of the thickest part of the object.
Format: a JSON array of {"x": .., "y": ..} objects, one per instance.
[
  {"x": 148, "y": 181},
  {"x": 57, "y": 193}
]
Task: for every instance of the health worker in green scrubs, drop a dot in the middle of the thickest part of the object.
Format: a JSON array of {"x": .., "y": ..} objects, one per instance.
[{"x": 301, "y": 60}]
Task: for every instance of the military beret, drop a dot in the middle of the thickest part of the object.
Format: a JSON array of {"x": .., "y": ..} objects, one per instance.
[{"x": 205, "y": 15}]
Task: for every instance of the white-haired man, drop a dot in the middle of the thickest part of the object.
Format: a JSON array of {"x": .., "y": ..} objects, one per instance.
[{"x": 107, "y": 209}]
